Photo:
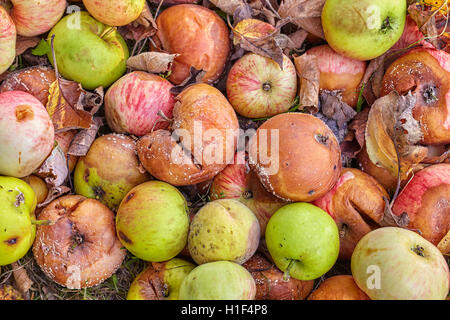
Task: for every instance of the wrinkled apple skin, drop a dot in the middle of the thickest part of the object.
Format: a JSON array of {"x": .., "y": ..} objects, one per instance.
[
  {"x": 426, "y": 200},
  {"x": 341, "y": 287},
  {"x": 109, "y": 170},
  {"x": 358, "y": 29},
  {"x": 115, "y": 13},
  {"x": 35, "y": 17},
  {"x": 26, "y": 134},
  {"x": 223, "y": 229},
  {"x": 7, "y": 40},
  {"x": 257, "y": 86},
  {"x": 304, "y": 236},
  {"x": 220, "y": 280},
  {"x": 152, "y": 221},
  {"x": 408, "y": 266},
  {"x": 132, "y": 103},
  {"x": 170, "y": 274},
  {"x": 91, "y": 54},
  {"x": 17, "y": 205}
]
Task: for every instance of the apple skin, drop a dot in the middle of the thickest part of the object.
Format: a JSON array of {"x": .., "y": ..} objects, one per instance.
[
  {"x": 35, "y": 17},
  {"x": 26, "y": 134},
  {"x": 341, "y": 287},
  {"x": 364, "y": 29},
  {"x": 152, "y": 221},
  {"x": 223, "y": 229},
  {"x": 257, "y": 87},
  {"x": 304, "y": 236},
  {"x": 168, "y": 274},
  {"x": 219, "y": 280},
  {"x": 8, "y": 35},
  {"x": 39, "y": 187},
  {"x": 115, "y": 13},
  {"x": 426, "y": 200},
  {"x": 109, "y": 170},
  {"x": 91, "y": 55},
  {"x": 17, "y": 205},
  {"x": 132, "y": 103},
  {"x": 410, "y": 267}
]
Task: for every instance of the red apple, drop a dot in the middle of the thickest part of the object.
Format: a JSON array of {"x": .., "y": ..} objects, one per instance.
[
  {"x": 7, "y": 40},
  {"x": 426, "y": 200},
  {"x": 26, "y": 133},
  {"x": 341, "y": 287},
  {"x": 115, "y": 13},
  {"x": 133, "y": 102},
  {"x": 35, "y": 17},
  {"x": 257, "y": 86}
]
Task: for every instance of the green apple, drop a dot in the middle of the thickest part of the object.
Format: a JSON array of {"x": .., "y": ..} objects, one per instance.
[
  {"x": 152, "y": 221},
  {"x": 223, "y": 229},
  {"x": 109, "y": 170},
  {"x": 88, "y": 51},
  {"x": 219, "y": 280},
  {"x": 398, "y": 264},
  {"x": 303, "y": 240},
  {"x": 165, "y": 276},
  {"x": 363, "y": 29},
  {"x": 17, "y": 231}
]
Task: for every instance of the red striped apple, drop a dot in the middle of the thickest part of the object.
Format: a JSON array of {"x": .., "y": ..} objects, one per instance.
[
  {"x": 35, "y": 17},
  {"x": 26, "y": 133},
  {"x": 7, "y": 40}
]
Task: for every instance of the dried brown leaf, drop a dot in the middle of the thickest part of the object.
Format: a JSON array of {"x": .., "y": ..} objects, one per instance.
[
  {"x": 54, "y": 193},
  {"x": 23, "y": 282},
  {"x": 25, "y": 43},
  {"x": 444, "y": 244},
  {"x": 334, "y": 108},
  {"x": 153, "y": 62},
  {"x": 84, "y": 138},
  {"x": 309, "y": 74},
  {"x": 54, "y": 170}
]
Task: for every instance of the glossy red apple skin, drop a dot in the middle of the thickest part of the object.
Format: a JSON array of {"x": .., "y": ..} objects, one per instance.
[
  {"x": 338, "y": 72},
  {"x": 132, "y": 103},
  {"x": 426, "y": 200},
  {"x": 341, "y": 287},
  {"x": 35, "y": 17},
  {"x": 26, "y": 134},
  {"x": 8, "y": 35},
  {"x": 257, "y": 87}
]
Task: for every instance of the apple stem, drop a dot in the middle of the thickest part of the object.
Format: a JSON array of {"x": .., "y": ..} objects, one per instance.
[
  {"x": 107, "y": 31},
  {"x": 42, "y": 222},
  {"x": 286, "y": 275}
]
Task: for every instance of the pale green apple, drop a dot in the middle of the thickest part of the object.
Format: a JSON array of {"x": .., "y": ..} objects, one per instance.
[
  {"x": 166, "y": 276},
  {"x": 17, "y": 231},
  {"x": 398, "y": 264},
  {"x": 152, "y": 221},
  {"x": 219, "y": 280},
  {"x": 363, "y": 29},
  {"x": 223, "y": 229},
  {"x": 109, "y": 170},
  {"x": 88, "y": 51},
  {"x": 303, "y": 240}
]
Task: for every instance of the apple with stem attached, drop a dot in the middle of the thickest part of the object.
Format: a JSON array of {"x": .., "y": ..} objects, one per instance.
[
  {"x": 115, "y": 13},
  {"x": 8, "y": 35},
  {"x": 397, "y": 264},
  {"x": 17, "y": 231},
  {"x": 26, "y": 133},
  {"x": 35, "y": 17},
  {"x": 363, "y": 29},
  {"x": 88, "y": 51},
  {"x": 303, "y": 240}
]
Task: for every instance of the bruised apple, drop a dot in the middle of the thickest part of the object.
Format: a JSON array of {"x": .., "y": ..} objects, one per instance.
[
  {"x": 257, "y": 86},
  {"x": 223, "y": 229},
  {"x": 426, "y": 73},
  {"x": 426, "y": 200},
  {"x": 200, "y": 143},
  {"x": 339, "y": 73},
  {"x": 160, "y": 280},
  {"x": 26, "y": 133},
  {"x": 356, "y": 203},
  {"x": 133, "y": 102},
  {"x": 199, "y": 36},
  {"x": 270, "y": 282},
  {"x": 115, "y": 13},
  {"x": 109, "y": 170},
  {"x": 79, "y": 249},
  {"x": 296, "y": 156},
  {"x": 7, "y": 40},
  {"x": 341, "y": 287}
]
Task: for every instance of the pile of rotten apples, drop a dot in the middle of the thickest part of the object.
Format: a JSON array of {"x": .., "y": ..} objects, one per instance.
[{"x": 251, "y": 150}]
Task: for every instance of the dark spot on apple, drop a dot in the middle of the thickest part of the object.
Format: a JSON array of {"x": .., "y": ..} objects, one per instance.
[
  {"x": 86, "y": 175},
  {"x": 131, "y": 195},
  {"x": 99, "y": 192},
  {"x": 124, "y": 237},
  {"x": 322, "y": 139},
  {"x": 247, "y": 194},
  {"x": 11, "y": 241},
  {"x": 19, "y": 199},
  {"x": 419, "y": 250},
  {"x": 430, "y": 94},
  {"x": 311, "y": 192},
  {"x": 386, "y": 25},
  {"x": 281, "y": 245},
  {"x": 335, "y": 167},
  {"x": 24, "y": 113}
]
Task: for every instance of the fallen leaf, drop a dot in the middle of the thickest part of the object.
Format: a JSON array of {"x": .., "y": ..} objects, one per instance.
[
  {"x": 53, "y": 193},
  {"x": 195, "y": 76},
  {"x": 8, "y": 292},
  {"x": 309, "y": 74},
  {"x": 390, "y": 219},
  {"x": 146, "y": 18},
  {"x": 84, "y": 138},
  {"x": 444, "y": 244},
  {"x": 443, "y": 158},
  {"x": 23, "y": 282},
  {"x": 229, "y": 6},
  {"x": 25, "y": 43},
  {"x": 355, "y": 139},
  {"x": 334, "y": 108},
  {"x": 153, "y": 62},
  {"x": 54, "y": 170}
]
